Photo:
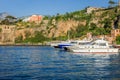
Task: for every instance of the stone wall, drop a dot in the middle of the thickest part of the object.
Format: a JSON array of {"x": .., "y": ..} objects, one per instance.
[{"x": 7, "y": 34}]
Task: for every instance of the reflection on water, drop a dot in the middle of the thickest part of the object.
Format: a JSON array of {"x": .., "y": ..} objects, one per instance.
[{"x": 46, "y": 63}]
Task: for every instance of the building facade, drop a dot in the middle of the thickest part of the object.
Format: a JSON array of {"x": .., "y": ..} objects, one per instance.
[
  {"x": 91, "y": 9},
  {"x": 33, "y": 18},
  {"x": 7, "y": 34},
  {"x": 115, "y": 33}
]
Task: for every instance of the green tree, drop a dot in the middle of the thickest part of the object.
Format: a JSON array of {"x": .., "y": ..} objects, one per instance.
[
  {"x": 10, "y": 17},
  {"x": 39, "y": 37},
  {"x": 118, "y": 39},
  {"x": 80, "y": 31},
  {"x": 111, "y": 3},
  {"x": 5, "y": 22},
  {"x": 107, "y": 25},
  {"x": 0, "y": 29},
  {"x": 19, "y": 39}
]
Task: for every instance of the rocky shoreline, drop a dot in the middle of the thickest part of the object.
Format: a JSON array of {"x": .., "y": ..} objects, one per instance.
[{"x": 24, "y": 44}]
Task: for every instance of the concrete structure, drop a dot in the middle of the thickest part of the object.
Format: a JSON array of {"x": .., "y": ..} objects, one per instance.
[
  {"x": 33, "y": 18},
  {"x": 115, "y": 33},
  {"x": 26, "y": 19},
  {"x": 91, "y": 9},
  {"x": 89, "y": 36},
  {"x": 8, "y": 34}
]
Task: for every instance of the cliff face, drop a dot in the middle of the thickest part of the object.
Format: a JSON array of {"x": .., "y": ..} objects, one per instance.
[
  {"x": 60, "y": 25},
  {"x": 103, "y": 18},
  {"x": 100, "y": 17},
  {"x": 64, "y": 26}
]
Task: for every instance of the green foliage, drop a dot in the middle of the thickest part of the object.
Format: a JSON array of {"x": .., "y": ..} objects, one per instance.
[
  {"x": 19, "y": 39},
  {"x": 107, "y": 25},
  {"x": 9, "y": 20},
  {"x": 5, "y": 22},
  {"x": 104, "y": 14},
  {"x": 58, "y": 17},
  {"x": 96, "y": 30},
  {"x": 118, "y": 39},
  {"x": 62, "y": 38},
  {"x": 92, "y": 26},
  {"x": 38, "y": 38},
  {"x": 27, "y": 34},
  {"x": 0, "y": 29},
  {"x": 10, "y": 17},
  {"x": 46, "y": 17},
  {"x": 79, "y": 32},
  {"x": 111, "y": 3}
]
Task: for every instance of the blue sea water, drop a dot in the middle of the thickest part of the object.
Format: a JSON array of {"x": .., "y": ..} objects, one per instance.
[{"x": 47, "y": 63}]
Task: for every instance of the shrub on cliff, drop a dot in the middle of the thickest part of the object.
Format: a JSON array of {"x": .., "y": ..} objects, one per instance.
[{"x": 118, "y": 39}]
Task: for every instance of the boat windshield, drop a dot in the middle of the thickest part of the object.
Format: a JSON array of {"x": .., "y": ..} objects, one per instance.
[
  {"x": 100, "y": 44},
  {"x": 84, "y": 43},
  {"x": 73, "y": 42}
]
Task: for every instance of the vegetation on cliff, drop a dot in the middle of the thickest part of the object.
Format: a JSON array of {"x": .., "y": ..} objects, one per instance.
[
  {"x": 118, "y": 40},
  {"x": 77, "y": 24}
]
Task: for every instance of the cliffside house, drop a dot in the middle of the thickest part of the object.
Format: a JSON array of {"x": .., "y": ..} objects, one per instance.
[
  {"x": 33, "y": 18},
  {"x": 8, "y": 34},
  {"x": 115, "y": 33},
  {"x": 91, "y": 9}
]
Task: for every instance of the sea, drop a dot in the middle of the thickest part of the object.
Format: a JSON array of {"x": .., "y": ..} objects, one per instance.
[{"x": 48, "y": 63}]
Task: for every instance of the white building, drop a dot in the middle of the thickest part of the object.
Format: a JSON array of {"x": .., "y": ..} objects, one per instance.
[{"x": 91, "y": 9}]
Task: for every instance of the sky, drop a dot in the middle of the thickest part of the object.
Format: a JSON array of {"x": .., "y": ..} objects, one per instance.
[{"x": 21, "y": 8}]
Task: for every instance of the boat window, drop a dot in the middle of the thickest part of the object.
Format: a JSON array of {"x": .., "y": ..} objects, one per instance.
[
  {"x": 93, "y": 43},
  {"x": 81, "y": 43},
  {"x": 102, "y": 44},
  {"x": 85, "y": 43},
  {"x": 73, "y": 42}
]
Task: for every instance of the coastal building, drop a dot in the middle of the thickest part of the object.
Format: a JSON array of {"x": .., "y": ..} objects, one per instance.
[
  {"x": 115, "y": 33},
  {"x": 89, "y": 36},
  {"x": 91, "y": 9},
  {"x": 33, "y": 18},
  {"x": 7, "y": 34},
  {"x": 26, "y": 19}
]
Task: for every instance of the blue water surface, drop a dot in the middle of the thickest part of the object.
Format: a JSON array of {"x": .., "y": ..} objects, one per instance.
[{"x": 47, "y": 63}]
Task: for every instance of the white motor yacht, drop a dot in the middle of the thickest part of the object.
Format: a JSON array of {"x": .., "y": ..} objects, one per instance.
[{"x": 96, "y": 46}]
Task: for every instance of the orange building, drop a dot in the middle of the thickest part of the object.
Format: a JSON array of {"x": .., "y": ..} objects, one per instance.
[
  {"x": 35, "y": 18},
  {"x": 115, "y": 33}
]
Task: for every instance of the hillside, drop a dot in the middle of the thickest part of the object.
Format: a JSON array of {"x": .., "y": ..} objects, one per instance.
[
  {"x": 77, "y": 24},
  {"x": 4, "y": 15}
]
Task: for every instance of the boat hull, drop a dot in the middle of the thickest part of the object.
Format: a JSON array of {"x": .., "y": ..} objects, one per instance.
[{"x": 95, "y": 50}]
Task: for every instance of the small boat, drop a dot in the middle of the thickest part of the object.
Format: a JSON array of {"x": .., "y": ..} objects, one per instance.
[
  {"x": 81, "y": 42},
  {"x": 96, "y": 46},
  {"x": 65, "y": 44}
]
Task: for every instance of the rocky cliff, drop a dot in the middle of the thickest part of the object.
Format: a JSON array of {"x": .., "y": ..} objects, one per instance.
[{"x": 78, "y": 23}]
